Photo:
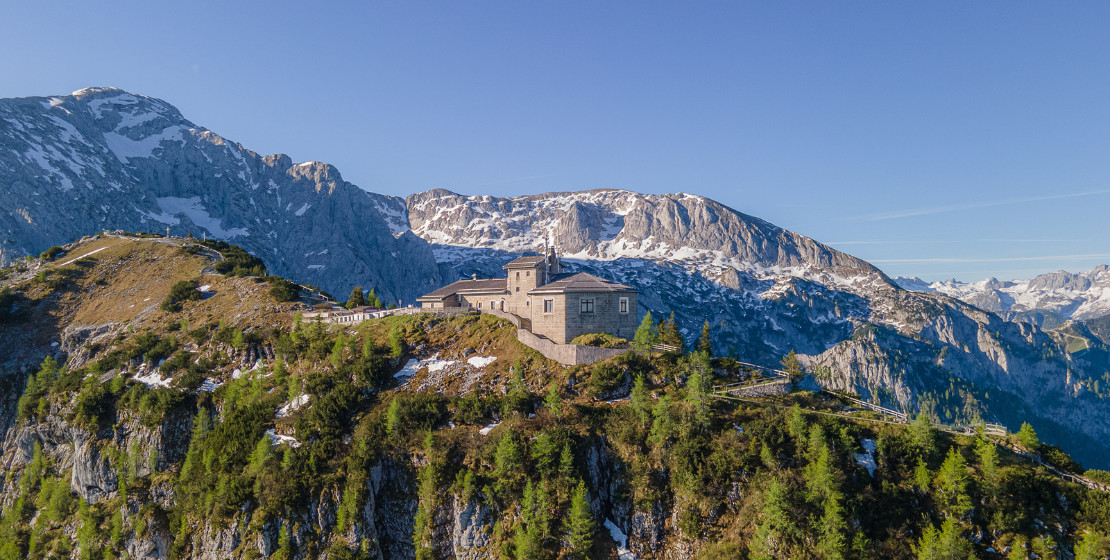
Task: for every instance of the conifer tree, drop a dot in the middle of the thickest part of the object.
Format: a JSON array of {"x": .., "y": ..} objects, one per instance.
[
  {"x": 580, "y": 523},
  {"x": 705, "y": 341},
  {"x": 923, "y": 435},
  {"x": 1028, "y": 437},
  {"x": 554, "y": 402},
  {"x": 697, "y": 386},
  {"x": 952, "y": 483},
  {"x": 372, "y": 299},
  {"x": 638, "y": 401},
  {"x": 669, "y": 334},
  {"x": 775, "y": 525},
  {"x": 1089, "y": 547},
  {"x": 646, "y": 334},
  {"x": 792, "y": 366},
  {"x": 832, "y": 535},
  {"x": 357, "y": 298}
]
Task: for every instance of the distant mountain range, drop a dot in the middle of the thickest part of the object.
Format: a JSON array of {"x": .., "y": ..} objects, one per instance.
[
  {"x": 103, "y": 158},
  {"x": 1046, "y": 300}
]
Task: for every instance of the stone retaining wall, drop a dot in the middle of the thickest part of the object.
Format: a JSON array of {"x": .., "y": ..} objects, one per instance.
[{"x": 566, "y": 354}]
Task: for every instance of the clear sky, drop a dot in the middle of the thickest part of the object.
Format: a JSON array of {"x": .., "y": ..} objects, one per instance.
[{"x": 937, "y": 139}]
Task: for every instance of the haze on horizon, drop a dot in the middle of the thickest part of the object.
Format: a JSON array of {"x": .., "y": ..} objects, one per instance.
[{"x": 941, "y": 140}]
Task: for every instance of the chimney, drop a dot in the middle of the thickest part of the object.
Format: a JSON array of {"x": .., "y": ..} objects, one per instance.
[{"x": 474, "y": 276}]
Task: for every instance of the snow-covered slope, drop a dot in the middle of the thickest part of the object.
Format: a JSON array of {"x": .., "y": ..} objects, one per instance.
[
  {"x": 1064, "y": 294},
  {"x": 102, "y": 158}
]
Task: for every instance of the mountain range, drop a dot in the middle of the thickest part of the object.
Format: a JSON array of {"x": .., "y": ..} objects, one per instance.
[{"x": 102, "y": 158}]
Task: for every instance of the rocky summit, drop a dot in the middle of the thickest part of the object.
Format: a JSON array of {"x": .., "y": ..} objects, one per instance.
[{"x": 102, "y": 158}]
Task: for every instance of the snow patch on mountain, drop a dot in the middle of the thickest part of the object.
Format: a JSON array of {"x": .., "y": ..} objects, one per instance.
[{"x": 193, "y": 208}]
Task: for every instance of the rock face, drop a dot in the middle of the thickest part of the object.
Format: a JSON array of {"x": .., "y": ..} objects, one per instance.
[{"x": 103, "y": 158}]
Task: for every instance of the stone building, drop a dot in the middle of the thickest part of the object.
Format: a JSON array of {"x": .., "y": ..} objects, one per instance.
[{"x": 551, "y": 303}]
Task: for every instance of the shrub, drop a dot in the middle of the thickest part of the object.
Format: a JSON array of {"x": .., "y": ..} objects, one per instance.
[
  {"x": 52, "y": 252},
  {"x": 600, "y": 340},
  {"x": 605, "y": 379},
  {"x": 185, "y": 290},
  {"x": 283, "y": 290}
]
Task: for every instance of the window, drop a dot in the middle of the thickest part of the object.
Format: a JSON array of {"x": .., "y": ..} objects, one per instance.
[
  {"x": 587, "y": 305},
  {"x": 493, "y": 305},
  {"x": 622, "y": 304},
  {"x": 548, "y": 306},
  {"x": 518, "y": 275},
  {"x": 518, "y": 288},
  {"x": 527, "y": 273},
  {"x": 479, "y": 305}
]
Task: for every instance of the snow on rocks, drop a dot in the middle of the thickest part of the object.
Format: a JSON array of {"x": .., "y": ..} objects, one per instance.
[
  {"x": 210, "y": 384},
  {"x": 293, "y": 406},
  {"x": 867, "y": 458},
  {"x": 489, "y": 428},
  {"x": 278, "y": 439},
  {"x": 481, "y": 361},
  {"x": 621, "y": 539},
  {"x": 433, "y": 364},
  {"x": 153, "y": 380}
]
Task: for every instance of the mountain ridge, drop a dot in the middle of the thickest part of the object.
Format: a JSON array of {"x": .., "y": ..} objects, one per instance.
[{"x": 764, "y": 290}]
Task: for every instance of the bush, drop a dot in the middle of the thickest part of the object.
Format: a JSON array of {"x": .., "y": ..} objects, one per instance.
[
  {"x": 606, "y": 379},
  {"x": 600, "y": 340},
  {"x": 185, "y": 290},
  {"x": 50, "y": 253},
  {"x": 237, "y": 261},
  {"x": 282, "y": 289}
]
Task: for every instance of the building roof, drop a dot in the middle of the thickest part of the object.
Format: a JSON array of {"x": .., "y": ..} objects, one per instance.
[
  {"x": 529, "y": 261},
  {"x": 483, "y": 286},
  {"x": 582, "y": 282}
]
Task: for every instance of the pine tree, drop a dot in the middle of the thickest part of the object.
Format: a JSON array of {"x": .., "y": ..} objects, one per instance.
[
  {"x": 923, "y": 435},
  {"x": 922, "y": 478},
  {"x": 831, "y": 539},
  {"x": 554, "y": 402},
  {"x": 646, "y": 334},
  {"x": 988, "y": 465},
  {"x": 1089, "y": 547},
  {"x": 580, "y": 523},
  {"x": 705, "y": 341},
  {"x": 669, "y": 334},
  {"x": 952, "y": 482},
  {"x": 792, "y": 366},
  {"x": 372, "y": 299},
  {"x": 775, "y": 525},
  {"x": 1028, "y": 437},
  {"x": 357, "y": 299},
  {"x": 697, "y": 386}
]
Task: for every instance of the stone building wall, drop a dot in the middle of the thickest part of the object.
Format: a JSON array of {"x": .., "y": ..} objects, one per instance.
[{"x": 566, "y": 321}]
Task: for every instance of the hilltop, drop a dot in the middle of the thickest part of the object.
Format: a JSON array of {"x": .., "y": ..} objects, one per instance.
[{"x": 222, "y": 426}]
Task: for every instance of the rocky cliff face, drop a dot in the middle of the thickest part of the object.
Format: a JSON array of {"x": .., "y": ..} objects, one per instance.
[{"x": 103, "y": 158}]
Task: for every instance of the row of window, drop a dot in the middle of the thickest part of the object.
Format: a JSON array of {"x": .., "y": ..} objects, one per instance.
[{"x": 586, "y": 305}]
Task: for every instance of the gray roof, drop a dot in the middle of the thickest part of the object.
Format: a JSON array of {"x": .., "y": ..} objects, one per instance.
[
  {"x": 525, "y": 262},
  {"x": 582, "y": 282},
  {"x": 484, "y": 286}
]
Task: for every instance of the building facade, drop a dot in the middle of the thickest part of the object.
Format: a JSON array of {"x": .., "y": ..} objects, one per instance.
[{"x": 557, "y": 306}]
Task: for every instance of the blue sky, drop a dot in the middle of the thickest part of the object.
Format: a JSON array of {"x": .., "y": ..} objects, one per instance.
[{"x": 940, "y": 139}]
